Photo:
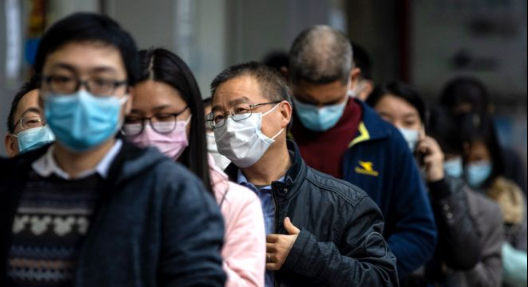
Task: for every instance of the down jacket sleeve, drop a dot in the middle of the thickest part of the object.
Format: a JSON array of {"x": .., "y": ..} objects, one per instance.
[{"x": 364, "y": 259}]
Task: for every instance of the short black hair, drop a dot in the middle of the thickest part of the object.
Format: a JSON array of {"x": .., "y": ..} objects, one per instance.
[
  {"x": 321, "y": 55},
  {"x": 478, "y": 127},
  {"x": 363, "y": 61},
  {"x": 89, "y": 27},
  {"x": 163, "y": 66},
  {"x": 403, "y": 91},
  {"x": 443, "y": 127},
  {"x": 24, "y": 90},
  {"x": 272, "y": 84},
  {"x": 207, "y": 102},
  {"x": 466, "y": 90}
]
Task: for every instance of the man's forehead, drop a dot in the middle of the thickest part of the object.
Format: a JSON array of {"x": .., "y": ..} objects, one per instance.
[
  {"x": 239, "y": 90},
  {"x": 86, "y": 57},
  {"x": 28, "y": 104}
]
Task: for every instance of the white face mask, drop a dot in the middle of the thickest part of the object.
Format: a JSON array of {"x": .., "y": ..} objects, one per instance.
[
  {"x": 243, "y": 142},
  {"x": 221, "y": 161},
  {"x": 412, "y": 138}
]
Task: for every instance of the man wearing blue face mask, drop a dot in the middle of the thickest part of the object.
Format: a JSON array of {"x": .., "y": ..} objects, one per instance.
[
  {"x": 25, "y": 123},
  {"x": 92, "y": 209},
  {"x": 343, "y": 137}
]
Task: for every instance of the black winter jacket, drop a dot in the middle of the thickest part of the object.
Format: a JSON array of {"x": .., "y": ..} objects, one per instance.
[{"x": 340, "y": 243}]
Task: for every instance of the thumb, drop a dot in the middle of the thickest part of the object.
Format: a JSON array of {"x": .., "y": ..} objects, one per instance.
[{"x": 292, "y": 230}]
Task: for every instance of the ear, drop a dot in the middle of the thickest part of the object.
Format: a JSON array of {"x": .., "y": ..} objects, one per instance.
[
  {"x": 286, "y": 110},
  {"x": 11, "y": 146},
  {"x": 354, "y": 77},
  {"x": 285, "y": 72},
  {"x": 368, "y": 88},
  {"x": 130, "y": 101}
]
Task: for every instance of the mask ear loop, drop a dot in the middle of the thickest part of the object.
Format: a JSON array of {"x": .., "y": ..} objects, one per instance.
[{"x": 269, "y": 112}]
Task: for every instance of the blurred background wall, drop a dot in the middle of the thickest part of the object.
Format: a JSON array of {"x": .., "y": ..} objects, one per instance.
[{"x": 424, "y": 42}]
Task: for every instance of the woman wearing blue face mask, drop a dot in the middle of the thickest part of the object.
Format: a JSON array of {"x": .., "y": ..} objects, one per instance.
[
  {"x": 485, "y": 172},
  {"x": 459, "y": 212}
]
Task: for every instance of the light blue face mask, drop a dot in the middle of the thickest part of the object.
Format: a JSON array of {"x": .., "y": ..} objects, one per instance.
[
  {"x": 478, "y": 173},
  {"x": 319, "y": 119},
  {"x": 454, "y": 168},
  {"x": 34, "y": 138},
  {"x": 412, "y": 138},
  {"x": 82, "y": 121},
  {"x": 514, "y": 265}
]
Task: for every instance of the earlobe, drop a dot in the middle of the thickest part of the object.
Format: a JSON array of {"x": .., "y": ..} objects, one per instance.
[
  {"x": 287, "y": 111},
  {"x": 10, "y": 146},
  {"x": 354, "y": 76}
]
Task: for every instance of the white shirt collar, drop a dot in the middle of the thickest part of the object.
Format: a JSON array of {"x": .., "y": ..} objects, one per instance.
[{"x": 47, "y": 166}]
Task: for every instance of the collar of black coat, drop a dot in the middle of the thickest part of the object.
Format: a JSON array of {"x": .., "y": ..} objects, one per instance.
[{"x": 293, "y": 178}]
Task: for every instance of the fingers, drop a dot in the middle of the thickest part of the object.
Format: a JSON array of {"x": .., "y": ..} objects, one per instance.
[
  {"x": 272, "y": 238},
  {"x": 290, "y": 228},
  {"x": 271, "y": 248}
]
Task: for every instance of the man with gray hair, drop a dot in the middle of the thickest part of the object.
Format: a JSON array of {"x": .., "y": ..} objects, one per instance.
[
  {"x": 343, "y": 137},
  {"x": 321, "y": 231}
]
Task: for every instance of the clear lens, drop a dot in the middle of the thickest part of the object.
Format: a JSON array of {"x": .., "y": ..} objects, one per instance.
[
  {"x": 31, "y": 122},
  {"x": 164, "y": 127},
  {"x": 132, "y": 129}
]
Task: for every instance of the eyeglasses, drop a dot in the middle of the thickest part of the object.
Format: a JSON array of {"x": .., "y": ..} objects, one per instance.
[
  {"x": 162, "y": 124},
  {"x": 98, "y": 86},
  {"x": 241, "y": 112},
  {"x": 30, "y": 122}
]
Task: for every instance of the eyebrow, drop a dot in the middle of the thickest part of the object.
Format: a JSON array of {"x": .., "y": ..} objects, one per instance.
[
  {"x": 242, "y": 100},
  {"x": 154, "y": 109},
  {"x": 31, "y": 110},
  {"x": 72, "y": 69}
]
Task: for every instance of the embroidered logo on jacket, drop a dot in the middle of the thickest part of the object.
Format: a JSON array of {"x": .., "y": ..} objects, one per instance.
[{"x": 367, "y": 168}]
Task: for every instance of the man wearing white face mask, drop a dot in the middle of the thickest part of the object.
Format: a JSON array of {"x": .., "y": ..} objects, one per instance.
[
  {"x": 343, "y": 137},
  {"x": 26, "y": 125},
  {"x": 221, "y": 161},
  {"x": 321, "y": 231}
]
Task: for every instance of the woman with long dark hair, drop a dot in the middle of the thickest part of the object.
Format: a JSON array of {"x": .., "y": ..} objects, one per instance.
[{"x": 168, "y": 114}]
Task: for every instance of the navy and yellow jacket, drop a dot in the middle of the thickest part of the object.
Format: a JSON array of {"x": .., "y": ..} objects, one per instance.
[{"x": 379, "y": 161}]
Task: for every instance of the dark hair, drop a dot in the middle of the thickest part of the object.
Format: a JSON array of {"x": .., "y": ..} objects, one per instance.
[
  {"x": 89, "y": 27},
  {"x": 466, "y": 90},
  {"x": 207, "y": 102},
  {"x": 272, "y": 84},
  {"x": 481, "y": 128},
  {"x": 321, "y": 55},
  {"x": 363, "y": 61},
  {"x": 403, "y": 91},
  {"x": 24, "y": 90},
  {"x": 163, "y": 66},
  {"x": 443, "y": 127},
  {"x": 277, "y": 60}
]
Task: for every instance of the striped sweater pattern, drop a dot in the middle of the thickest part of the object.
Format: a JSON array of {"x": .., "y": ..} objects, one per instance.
[{"x": 51, "y": 222}]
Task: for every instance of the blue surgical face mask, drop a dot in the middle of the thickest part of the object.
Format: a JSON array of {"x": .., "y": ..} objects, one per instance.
[
  {"x": 412, "y": 138},
  {"x": 454, "y": 168},
  {"x": 82, "y": 121},
  {"x": 34, "y": 138},
  {"x": 319, "y": 119},
  {"x": 478, "y": 173}
]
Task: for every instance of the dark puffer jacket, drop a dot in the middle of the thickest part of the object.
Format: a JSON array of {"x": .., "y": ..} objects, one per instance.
[{"x": 340, "y": 243}]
